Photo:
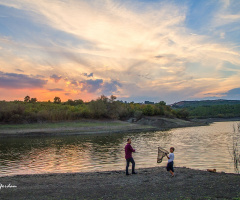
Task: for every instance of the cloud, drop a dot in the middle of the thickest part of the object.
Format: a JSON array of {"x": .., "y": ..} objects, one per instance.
[
  {"x": 20, "y": 81},
  {"x": 110, "y": 87},
  {"x": 228, "y": 13},
  {"x": 88, "y": 75},
  {"x": 19, "y": 70},
  {"x": 102, "y": 39},
  {"x": 55, "y": 90},
  {"x": 235, "y": 91},
  {"x": 75, "y": 83},
  {"x": 90, "y": 85},
  {"x": 100, "y": 86},
  {"x": 56, "y": 78},
  {"x": 232, "y": 94}
]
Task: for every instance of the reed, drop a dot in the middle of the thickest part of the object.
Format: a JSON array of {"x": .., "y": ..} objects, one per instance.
[{"x": 235, "y": 149}]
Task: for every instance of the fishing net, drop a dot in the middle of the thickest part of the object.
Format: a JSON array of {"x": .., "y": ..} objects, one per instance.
[{"x": 161, "y": 153}]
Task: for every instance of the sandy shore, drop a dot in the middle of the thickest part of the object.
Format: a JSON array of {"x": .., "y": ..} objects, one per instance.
[{"x": 149, "y": 183}]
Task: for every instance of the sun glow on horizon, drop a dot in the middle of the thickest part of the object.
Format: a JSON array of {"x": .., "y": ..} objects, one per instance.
[{"x": 138, "y": 50}]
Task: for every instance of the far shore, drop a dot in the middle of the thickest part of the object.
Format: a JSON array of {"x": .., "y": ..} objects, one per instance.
[
  {"x": 148, "y": 183},
  {"x": 73, "y": 128},
  {"x": 83, "y": 127}
]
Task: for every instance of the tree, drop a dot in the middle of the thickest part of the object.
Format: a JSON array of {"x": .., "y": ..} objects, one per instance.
[
  {"x": 33, "y": 100},
  {"x": 148, "y": 110},
  {"x": 103, "y": 98},
  {"x": 57, "y": 100},
  {"x": 98, "y": 108},
  {"x": 26, "y": 98},
  {"x": 112, "y": 98},
  {"x": 75, "y": 102},
  {"x": 182, "y": 113},
  {"x": 162, "y": 103},
  {"x": 78, "y": 102},
  {"x": 70, "y": 102}
]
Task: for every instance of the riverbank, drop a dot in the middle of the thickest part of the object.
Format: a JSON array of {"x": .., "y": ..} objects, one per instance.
[
  {"x": 163, "y": 123},
  {"x": 149, "y": 183},
  {"x": 146, "y": 124},
  {"x": 73, "y": 128}
]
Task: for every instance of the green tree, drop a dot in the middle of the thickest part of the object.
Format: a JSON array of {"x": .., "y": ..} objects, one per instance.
[
  {"x": 57, "y": 100},
  {"x": 148, "y": 110},
  {"x": 112, "y": 98},
  {"x": 103, "y": 98},
  {"x": 78, "y": 102},
  {"x": 33, "y": 100},
  {"x": 70, "y": 102},
  {"x": 98, "y": 108},
  {"x": 162, "y": 103},
  {"x": 27, "y": 98},
  {"x": 182, "y": 113}
]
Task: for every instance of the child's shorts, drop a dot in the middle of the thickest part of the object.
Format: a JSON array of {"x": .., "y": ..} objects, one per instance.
[{"x": 170, "y": 166}]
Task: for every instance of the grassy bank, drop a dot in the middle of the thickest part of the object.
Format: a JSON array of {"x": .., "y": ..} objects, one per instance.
[
  {"x": 92, "y": 123},
  {"x": 73, "y": 128},
  {"x": 145, "y": 124}
]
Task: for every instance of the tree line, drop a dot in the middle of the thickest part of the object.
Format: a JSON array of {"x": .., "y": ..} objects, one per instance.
[
  {"x": 214, "y": 111},
  {"x": 30, "y": 110}
]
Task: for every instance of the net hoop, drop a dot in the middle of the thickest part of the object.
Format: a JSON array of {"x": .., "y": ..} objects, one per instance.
[
  {"x": 161, "y": 154},
  {"x": 160, "y": 149}
]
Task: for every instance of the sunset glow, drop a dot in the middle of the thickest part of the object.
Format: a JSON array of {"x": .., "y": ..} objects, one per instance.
[{"x": 137, "y": 50}]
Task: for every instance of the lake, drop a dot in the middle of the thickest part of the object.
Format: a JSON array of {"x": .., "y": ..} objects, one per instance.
[{"x": 201, "y": 147}]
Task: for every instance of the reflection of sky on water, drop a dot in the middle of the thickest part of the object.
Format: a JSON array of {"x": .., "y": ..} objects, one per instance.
[{"x": 196, "y": 147}]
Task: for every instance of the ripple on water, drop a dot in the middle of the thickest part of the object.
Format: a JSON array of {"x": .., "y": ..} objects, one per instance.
[{"x": 196, "y": 147}]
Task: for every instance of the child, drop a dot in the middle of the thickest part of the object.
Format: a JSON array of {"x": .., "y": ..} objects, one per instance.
[{"x": 170, "y": 161}]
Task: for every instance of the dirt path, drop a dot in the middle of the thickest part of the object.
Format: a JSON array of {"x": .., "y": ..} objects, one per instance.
[{"x": 150, "y": 183}]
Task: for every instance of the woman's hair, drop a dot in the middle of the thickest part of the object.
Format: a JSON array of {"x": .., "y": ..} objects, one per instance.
[{"x": 128, "y": 139}]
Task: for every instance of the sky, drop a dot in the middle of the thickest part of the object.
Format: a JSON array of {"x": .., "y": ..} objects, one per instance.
[{"x": 137, "y": 50}]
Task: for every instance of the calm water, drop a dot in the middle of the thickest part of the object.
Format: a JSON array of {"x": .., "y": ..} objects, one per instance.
[{"x": 195, "y": 147}]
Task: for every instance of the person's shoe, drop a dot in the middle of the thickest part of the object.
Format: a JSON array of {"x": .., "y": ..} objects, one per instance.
[
  {"x": 134, "y": 173},
  {"x": 127, "y": 174}
]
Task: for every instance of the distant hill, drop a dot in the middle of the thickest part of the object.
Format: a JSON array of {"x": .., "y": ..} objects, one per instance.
[{"x": 187, "y": 104}]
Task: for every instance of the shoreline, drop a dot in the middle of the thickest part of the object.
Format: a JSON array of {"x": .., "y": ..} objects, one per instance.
[
  {"x": 149, "y": 183},
  {"x": 146, "y": 124},
  {"x": 107, "y": 127}
]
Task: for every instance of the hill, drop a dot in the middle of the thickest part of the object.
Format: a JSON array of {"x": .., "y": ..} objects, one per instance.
[
  {"x": 185, "y": 104},
  {"x": 209, "y": 108}
]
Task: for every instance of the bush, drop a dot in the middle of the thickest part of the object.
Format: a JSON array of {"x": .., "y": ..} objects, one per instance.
[
  {"x": 98, "y": 109},
  {"x": 138, "y": 114},
  {"x": 182, "y": 114},
  {"x": 148, "y": 110},
  {"x": 103, "y": 107}
]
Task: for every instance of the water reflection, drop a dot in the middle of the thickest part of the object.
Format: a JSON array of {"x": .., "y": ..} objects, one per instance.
[{"x": 196, "y": 147}]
